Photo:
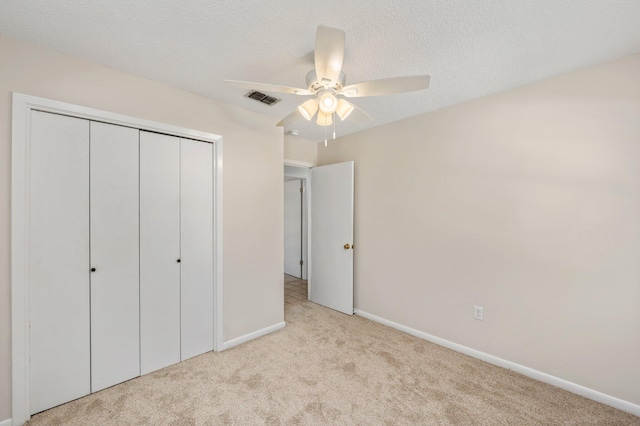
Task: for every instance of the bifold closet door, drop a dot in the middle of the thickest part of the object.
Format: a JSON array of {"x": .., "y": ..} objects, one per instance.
[
  {"x": 59, "y": 260},
  {"x": 115, "y": 284},
  {"x": 159, "y": 251},
  {"x": 196, "y": 248}
]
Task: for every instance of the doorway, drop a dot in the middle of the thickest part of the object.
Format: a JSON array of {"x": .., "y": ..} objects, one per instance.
[
  {"x": 296, "y": 289},
  {"x": 327, "y": 231}
]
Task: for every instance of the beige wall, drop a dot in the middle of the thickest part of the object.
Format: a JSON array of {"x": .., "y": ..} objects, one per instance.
[
  {"x": 526, "y": 203},
  {"x": 300, "y": 149},
  {"x": 253, "y": 146}
]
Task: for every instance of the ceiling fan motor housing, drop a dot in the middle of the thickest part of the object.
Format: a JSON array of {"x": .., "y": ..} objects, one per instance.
[{"x": 315, "y": 85}]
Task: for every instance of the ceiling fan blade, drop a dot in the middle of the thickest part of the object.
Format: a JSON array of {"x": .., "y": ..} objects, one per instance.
[
  {"x": 328, "y": 54},
  {"x": 290, "y": 119},
  {"x": 264, "y": 87},
  {"x": 358, "y": 116},
  {"x": 386, "y": 86}
]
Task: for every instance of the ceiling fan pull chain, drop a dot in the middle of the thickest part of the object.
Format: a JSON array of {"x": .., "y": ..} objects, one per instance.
[
  {"x": 325, "y": 135},
  {"x": 334, "y": 126}
]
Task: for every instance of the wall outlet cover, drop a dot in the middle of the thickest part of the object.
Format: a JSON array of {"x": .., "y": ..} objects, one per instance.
[{"x": 478, "y": 312}]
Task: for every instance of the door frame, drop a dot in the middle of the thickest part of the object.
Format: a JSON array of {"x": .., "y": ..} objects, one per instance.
[
  {"x": 20, "y": 168},
  {"x": 302, "y": 170}
]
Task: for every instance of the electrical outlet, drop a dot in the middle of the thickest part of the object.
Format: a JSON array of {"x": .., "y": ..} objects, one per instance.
[{"x": 478, "y": 312}]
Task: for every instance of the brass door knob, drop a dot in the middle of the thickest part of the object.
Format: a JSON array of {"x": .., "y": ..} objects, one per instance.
[{"x": 347, "y": 246}]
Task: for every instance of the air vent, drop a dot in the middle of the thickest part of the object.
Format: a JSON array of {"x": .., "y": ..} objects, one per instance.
[{"x": 261, "y": 97}]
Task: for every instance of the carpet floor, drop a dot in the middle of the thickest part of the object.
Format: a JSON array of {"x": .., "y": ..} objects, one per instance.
[{"x": 326, "y": 368}]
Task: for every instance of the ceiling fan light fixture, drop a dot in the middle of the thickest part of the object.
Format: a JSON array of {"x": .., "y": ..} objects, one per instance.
[
  {"x": 328, "y": 102},
  {"x": 324, "y": 119},
  {"x": 344, "y": 108},
  {"x": 308, "y": 109}
]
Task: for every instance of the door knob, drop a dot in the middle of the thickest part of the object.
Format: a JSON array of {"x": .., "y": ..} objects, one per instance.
[
  {"x": 347, "y": 246},
  {"x": 178, "y": 260},
  {"x": 93, "y": 269}
]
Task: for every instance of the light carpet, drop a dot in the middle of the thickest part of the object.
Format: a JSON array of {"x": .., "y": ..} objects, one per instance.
[{"x": 326, "y": 368}]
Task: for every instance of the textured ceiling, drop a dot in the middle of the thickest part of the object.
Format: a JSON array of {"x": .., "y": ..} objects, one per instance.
[{"x": 470, "y": 48}]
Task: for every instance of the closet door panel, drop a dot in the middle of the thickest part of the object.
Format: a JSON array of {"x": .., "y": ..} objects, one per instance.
[
  {"x": 159, "y": 251},
  {"x": 115, "y": 284},
  {"x": 197, "y": 248},
  {"x": 59, "y": 260}
]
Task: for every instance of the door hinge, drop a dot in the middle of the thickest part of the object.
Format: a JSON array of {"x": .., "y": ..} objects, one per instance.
[
  {"x": 301, "y": 263},
  {"x": 301, "y": 189}
]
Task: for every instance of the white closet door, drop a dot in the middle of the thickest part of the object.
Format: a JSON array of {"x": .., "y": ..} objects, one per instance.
[
  {"x": 159, "y": 251},
  {"x": 197, "y": 248},
  {"x": 115, "y": 284},
  {"x": 59, "y": 260}
]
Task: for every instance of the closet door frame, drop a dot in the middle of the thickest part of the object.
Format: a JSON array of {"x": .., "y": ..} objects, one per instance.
[{"x": 20, "y": 208}]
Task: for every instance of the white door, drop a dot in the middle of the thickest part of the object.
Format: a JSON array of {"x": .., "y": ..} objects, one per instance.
[
  {"x": 115, "y": 283},
  {"x": 332, "y": 236},
  {"x": 159, "y": 251},
  {"x": 196, "y": 248},
  {"x": 293, "y": 228},
  {"x": 59, "y": 260}
]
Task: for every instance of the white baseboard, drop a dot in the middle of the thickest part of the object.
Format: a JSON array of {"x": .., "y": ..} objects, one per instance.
[
  {"x": 5, "y": 422},
  {"x": 254, "y": 335},
  {"x": 526, "y": 371}
]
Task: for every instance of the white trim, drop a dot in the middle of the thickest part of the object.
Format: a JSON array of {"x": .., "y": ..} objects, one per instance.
[
  {"x": 254, "y": 335},
  {"x": 525, "y": 371},
  {"x": 19, "y": 262},
  {"x": 6, "y": 422},
  {"x": 218, "y": 330},
  {"x": 22, "y": 106},
  {"x": 297, "y": 163},
  {"x": 309, "y": 190},
  {"x": 48, "y": 105}
]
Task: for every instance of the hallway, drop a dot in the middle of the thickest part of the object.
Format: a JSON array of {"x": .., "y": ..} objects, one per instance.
[{"x": 295, "y": 291}]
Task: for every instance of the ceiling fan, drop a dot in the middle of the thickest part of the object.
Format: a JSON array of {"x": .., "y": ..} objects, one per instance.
[{"x": 326, "y": 83}]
